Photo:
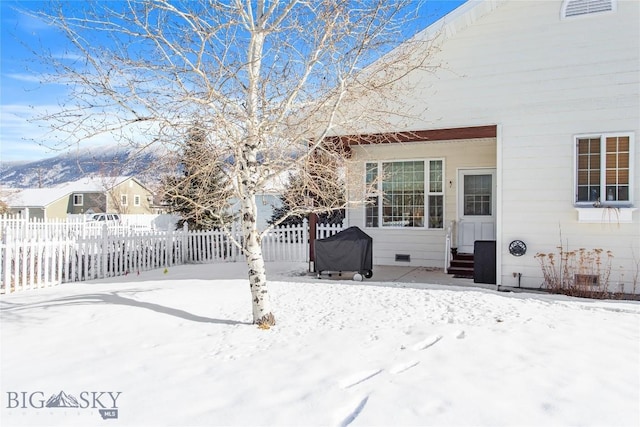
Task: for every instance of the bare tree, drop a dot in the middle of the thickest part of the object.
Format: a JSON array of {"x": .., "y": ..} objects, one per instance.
[{"x": 268, "y": 81}]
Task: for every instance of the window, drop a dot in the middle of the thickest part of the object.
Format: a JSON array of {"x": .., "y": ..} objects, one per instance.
[
  {"x": 401, "y": 192},
  {"x": 577, "y": 8},
  {"x": 136, "y": 200},
  {"x": 477, "y": 195},
  {"x": 123, "y": 199},
  {"x": 603, "y": 173},
  {"x": 78, "y": 200}
]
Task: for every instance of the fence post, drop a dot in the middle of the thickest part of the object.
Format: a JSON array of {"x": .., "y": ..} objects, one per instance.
[
  {"x": 185, "y": 241},
  {"x": 6, "y": 256},
  {"x": 313, "y": 226},
  {"x": 235, "y": 249},
  {"x": 103, "y": 251},
  {"x": 305, "y": 241},
  {"x": 168, "y": 248}
]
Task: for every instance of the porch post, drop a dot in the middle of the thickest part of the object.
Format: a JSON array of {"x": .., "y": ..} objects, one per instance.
[{"x": 313, "y": 225}]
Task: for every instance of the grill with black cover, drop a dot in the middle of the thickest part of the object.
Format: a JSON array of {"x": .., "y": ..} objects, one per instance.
[{"x": 349, "y": 250}]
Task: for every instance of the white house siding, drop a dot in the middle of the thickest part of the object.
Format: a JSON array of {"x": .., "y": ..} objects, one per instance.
[
  {"x": 542, "y": 80},
  {"x": 425, "y": 246},
  {"x": 266, "y": 205}
]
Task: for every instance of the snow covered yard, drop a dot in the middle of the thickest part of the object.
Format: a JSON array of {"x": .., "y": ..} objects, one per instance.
[{"x": 179, "y": 350}]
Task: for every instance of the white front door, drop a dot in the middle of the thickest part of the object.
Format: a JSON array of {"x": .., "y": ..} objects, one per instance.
[{"x": 476, "y": 207}]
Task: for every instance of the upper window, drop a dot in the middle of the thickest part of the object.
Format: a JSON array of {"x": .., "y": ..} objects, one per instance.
[
  {"x": 136, "y": 200},
  {"x": 123, "y": 199},
  {"x": 576, "y": 8},
  {"x": 400, "y": 193},
  {"x": 603, "y": 172},
  {"x": 78, "y": 200}
]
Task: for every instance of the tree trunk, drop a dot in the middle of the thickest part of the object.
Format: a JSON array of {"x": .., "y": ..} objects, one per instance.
[
  {"x": 262, "y": 315},
  {"x": 248, "y": 177}
]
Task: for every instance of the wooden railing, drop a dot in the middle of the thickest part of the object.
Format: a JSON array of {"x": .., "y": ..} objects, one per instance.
[{"x": 448, "y": 245}]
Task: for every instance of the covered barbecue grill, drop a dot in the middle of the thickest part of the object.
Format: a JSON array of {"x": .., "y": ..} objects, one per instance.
[{"x": 349, "y": 250}]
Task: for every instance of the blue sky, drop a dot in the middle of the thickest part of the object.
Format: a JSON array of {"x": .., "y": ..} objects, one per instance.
[{"x": 22, "y": 94}]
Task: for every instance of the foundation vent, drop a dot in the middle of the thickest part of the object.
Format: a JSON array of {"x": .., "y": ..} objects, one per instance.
[
  {"x": 587, "y": 280},
  {"x": 403, "y": 258}
]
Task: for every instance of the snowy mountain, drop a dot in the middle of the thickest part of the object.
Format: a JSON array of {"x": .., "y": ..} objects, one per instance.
[
  {"x": 62, "y": 400},
  {"x": 147, "y": 166}
]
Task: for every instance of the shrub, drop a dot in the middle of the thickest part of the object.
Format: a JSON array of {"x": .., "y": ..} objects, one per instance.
[{"x": 582, "y": 272}]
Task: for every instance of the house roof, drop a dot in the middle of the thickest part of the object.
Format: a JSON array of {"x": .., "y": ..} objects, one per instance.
[
  {"x": 459, "y": 19},
  {"x": 436, "y": 33},
  {"x": 41, "y": 197}
]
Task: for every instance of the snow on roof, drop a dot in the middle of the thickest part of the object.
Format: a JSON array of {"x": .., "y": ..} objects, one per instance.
[
  {"x": 92, "y": 184},
  {"x": 32, "y": 197},
  {"x": 278, "y": 183},
  {"x": 35, "y": 197},
  {"x": 459, "y": 18}
]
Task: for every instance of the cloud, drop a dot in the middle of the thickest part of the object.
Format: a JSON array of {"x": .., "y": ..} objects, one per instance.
[
  {"x": 24, "y": 21},
  {"x": 23, "y": 139},
  {"x": 68, "y": 56},
  {"x": 24, "y": 77}
]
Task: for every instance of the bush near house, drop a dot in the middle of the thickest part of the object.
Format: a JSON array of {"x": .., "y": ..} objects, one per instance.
[{"x": 582, "y": 273}]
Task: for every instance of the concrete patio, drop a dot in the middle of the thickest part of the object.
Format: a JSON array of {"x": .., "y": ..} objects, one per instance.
[
  {"x": 420, "y": 278},
  {"x": 410, "y": 277}
]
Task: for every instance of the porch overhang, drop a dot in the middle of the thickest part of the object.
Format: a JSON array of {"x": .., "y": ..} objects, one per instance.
[{"x": 447, "y": 134}]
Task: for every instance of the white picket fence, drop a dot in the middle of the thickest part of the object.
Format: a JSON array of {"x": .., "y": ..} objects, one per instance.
[
  {"x": 32, "y": 260},
  {"x": 79, "y": 226}
]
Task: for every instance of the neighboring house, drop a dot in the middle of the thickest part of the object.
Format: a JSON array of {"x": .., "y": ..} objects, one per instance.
[
  {"x": 525, "y": 131},
  {"x": 124, "y": 195}
]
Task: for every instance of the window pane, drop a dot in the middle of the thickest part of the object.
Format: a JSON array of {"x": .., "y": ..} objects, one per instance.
[
  {"x": 583, "y": 162},
  {"x": 477, "y": 194},
  {"x": 583, "y": 146},
  {"x": 583, "y": 178},
  {"x": 403, "y": 201},
  {"x": 372, "y": 173},
  {"x": 583, "y": 193},
  {"x": 623, "y": 144},
  {"x": 436, "y": 212},
  {"x": 371, "y": 212},
  {"x": 435, "y": 176},
  {"x": 623, "y": 176},
  {"x": 588, "y": 169},
  {"x": 623, "y": 193},
  {"x": 617, "y": 163}
]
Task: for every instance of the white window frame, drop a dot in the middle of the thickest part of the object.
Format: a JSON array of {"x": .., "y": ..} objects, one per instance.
[
  {"x": 378, "y": 193},
  {"x": 80, "y": 197},
  {"x": 603, "y": 159},
  {"x": 136, "y": 200},
  {"x": 124, "y": 200}
]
